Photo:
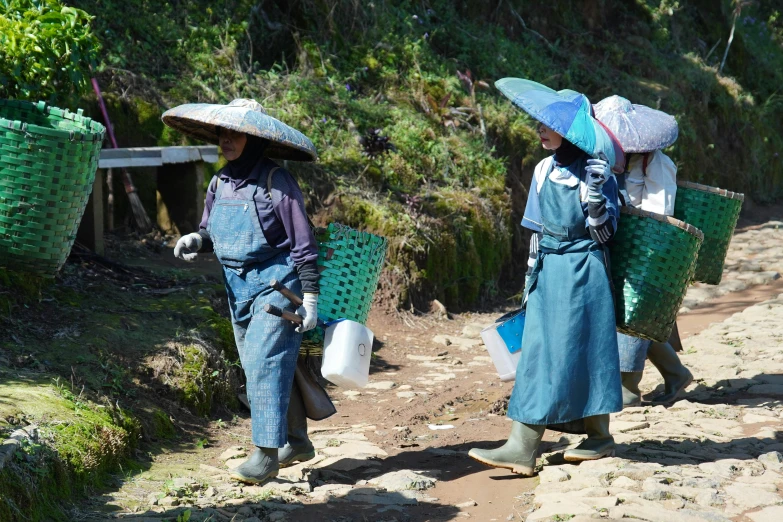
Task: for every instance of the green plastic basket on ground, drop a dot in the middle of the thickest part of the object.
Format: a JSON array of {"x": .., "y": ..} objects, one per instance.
[
  {"x": 653, "y": 258},
  {"x": 48, "y": 159},
  {"x": 715, "y": 212},
  {"x": 350, "y": 263}
]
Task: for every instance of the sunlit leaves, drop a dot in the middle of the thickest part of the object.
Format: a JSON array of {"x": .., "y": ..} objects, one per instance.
[{"x": 46, "y": 49}]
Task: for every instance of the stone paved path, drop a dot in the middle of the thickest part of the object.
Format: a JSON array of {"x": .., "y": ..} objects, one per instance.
[
  {"x": 755, "y": 257},
  {"x": 713, "y": 457}
]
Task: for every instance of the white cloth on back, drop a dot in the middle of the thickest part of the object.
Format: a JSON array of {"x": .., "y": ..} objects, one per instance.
[{"x": 655, "y": 191}]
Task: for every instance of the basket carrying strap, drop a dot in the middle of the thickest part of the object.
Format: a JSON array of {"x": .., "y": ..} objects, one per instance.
[
  {"x": 268, "y": 186},
  {"x": 275, "y": 200},
  {"x": 645, "y": 162}
]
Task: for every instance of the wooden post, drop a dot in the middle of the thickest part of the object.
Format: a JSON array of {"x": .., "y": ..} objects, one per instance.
[
  {"x": 180, "y": 197},
  {"x": 90, "y": 233},
  {"x": 110, "y": 200}
]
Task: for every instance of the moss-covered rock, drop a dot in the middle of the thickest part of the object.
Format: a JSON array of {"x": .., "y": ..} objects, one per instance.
[{"x": 79, "y": 443}]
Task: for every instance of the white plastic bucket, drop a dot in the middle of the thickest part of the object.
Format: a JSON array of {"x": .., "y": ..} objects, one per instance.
[
  {"x": 347, "y": 352},
  {"x": 499, "y": 350}
]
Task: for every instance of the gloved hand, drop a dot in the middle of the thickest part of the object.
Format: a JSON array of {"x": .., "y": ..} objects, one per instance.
[
  {"x": 188, "y": 246},
  {"x": 598, "y": 172},
  {"x": 309, "y": 312}
]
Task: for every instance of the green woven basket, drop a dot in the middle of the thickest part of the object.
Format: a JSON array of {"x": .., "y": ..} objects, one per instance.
[
  {"x": 652, "y": 262},
  {"x": 715, "y": 212},
  {"x": 350, "y": 263},
  {"x": 48, "y": 158}
]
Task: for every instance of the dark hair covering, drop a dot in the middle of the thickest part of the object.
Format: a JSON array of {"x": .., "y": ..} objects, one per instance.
[
  {"x": 254, "y": 150},
  {"x": 567, "y": 153}
]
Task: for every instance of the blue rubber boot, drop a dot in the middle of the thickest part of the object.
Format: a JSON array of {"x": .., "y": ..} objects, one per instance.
[{"x": 298, "y": 448}]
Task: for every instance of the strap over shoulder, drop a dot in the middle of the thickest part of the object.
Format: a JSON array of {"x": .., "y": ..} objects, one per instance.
[
  {"x": 276, "y": 200},
  {"x": 269, "y": 176},
  {"x": 218, "y": 186}
]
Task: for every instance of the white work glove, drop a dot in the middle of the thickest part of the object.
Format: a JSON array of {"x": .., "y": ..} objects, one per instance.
[
  {"x": 309, "y": 312},
  {"x": 598, "y": 172},
  {"x": 188, "y": 246}
]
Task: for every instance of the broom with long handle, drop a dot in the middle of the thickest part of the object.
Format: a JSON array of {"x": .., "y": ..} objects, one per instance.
[{"x": 139, "y": 214}]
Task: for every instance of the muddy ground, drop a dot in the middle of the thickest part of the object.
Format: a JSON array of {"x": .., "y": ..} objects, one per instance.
[{"x": 396, "y": 450}]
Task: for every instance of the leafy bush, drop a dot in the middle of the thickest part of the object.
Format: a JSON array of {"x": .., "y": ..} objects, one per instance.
[{"x": 46, "y": 49}]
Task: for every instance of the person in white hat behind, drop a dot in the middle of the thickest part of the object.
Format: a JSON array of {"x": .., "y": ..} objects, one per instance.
[{"x": 650, "y": 183}]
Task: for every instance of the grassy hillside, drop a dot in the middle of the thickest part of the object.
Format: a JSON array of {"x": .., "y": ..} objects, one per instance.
[{"x": 450, "y": 191}]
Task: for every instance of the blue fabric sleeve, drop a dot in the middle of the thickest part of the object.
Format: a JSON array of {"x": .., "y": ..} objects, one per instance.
[
  {"x": 611, "y": 194},
  {"x": 532, "y": 216}
]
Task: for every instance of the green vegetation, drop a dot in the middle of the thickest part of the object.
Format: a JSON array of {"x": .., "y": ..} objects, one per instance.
[
  {"x": 46, "y": 49},
  {"x": 100, "y": 369},
  {"x": 77, "y": 443},
  {"x": 451, "y": 192}
]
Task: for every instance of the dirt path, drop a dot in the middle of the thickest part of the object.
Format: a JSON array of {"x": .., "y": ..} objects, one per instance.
[{"x": 396, "y": 450}]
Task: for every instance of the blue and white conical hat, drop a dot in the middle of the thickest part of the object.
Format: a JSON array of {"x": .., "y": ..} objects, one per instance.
[{"x": 566, "y": 112}]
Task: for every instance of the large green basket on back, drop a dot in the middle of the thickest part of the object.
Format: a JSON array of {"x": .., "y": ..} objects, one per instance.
[
  {"x": 48, "y": 158},
  {"x": 715, "y": 212},
  {"x": 652, "y": 262},
  {"x": 350, "y": 263}
]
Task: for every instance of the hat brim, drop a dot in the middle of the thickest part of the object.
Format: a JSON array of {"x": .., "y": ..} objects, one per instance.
[{"x": 202, "y": 121}]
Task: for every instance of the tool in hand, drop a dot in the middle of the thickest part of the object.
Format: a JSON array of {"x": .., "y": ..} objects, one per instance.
[
  {"x": 293, "y": 298},
  {"x": 288, "y": 294},
  {"x": 288, "y": 316}
]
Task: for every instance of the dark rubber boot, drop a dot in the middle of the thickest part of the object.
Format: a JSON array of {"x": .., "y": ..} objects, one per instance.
[
  {"x": 598, "y": 444},
  {"x": 676, "y": 377},
  {"x": 518, "y": 453},
  {"x": 298, "y": 448},
  {"x": 632, "y": 396},
  {"x": 258, "y": 468}
]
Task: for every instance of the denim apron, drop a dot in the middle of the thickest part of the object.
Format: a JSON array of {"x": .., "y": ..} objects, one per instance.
[
  {"x": 569, "y": 367},
  {"x": 268, "y": 346}
]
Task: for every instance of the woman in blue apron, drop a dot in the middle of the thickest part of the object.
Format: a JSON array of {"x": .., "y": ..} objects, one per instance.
[
  {"x": 254, "y": 219},
  {"x": 648, "y": 183},
  {"x": 569, "y": 365}
]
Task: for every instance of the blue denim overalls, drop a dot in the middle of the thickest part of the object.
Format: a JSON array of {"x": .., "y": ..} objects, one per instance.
[
  {"x": 268, "y": 346},
  {"x": 569, "y": 366}
]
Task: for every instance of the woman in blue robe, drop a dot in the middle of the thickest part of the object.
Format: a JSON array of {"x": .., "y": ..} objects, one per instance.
[{"x": 569, "y": 366}]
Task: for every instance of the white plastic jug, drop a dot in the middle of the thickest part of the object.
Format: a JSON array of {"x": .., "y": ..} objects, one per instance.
[
  {"x": 347, "y": 352},
  {"x": 503, "y": 341},
  {"x": 505, "y": 362}
]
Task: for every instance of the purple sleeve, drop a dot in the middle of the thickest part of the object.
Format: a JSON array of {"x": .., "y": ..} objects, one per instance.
[
  {"x": 208, "y": 203},
  {"x": 291, "y": 212}
]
